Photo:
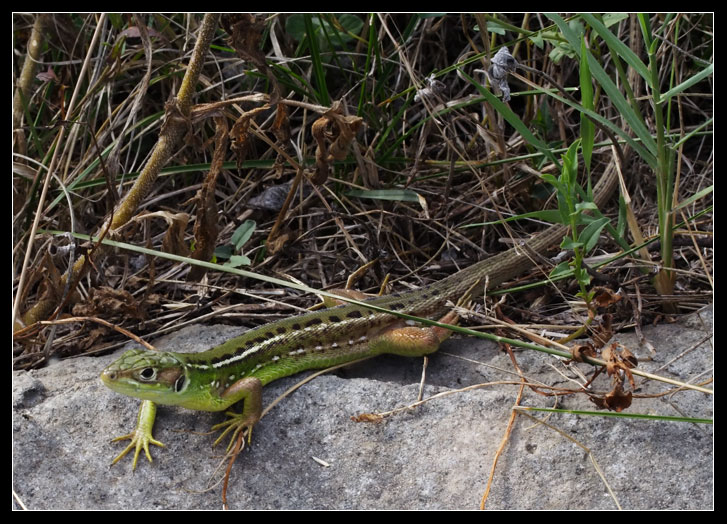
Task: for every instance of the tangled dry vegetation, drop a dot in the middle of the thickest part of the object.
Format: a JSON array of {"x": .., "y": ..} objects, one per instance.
[{"x": 308, "y": 147}]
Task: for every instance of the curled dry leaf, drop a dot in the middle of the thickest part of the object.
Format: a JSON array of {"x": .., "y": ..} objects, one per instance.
[
  {"x": 174, "y": 117},
  {"x": 336, "y": 129},
  {"x": 615, "y": 400},
  {"x": 619, "y": 362},
  {"x": 133, "y": 32},
  {"x": 579, "y": 351},
  {"x": 277, "y": 243},
  {"x": 48, "y": 76},
  {"x": 206, "y": 229},
  {"x": 601, "y": 332},
  {"x": 246, "y": 33},
  {"x": 604, "y": 297},
  {"x": 281, "y": 125},
  {"x": 173, "y": 241},
  {"x": 50, "y": 278},
  {"x": 240, "y": 133}
]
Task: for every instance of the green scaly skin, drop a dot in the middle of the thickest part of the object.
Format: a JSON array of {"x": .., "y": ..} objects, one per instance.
[{"x": 237, "y": 370}]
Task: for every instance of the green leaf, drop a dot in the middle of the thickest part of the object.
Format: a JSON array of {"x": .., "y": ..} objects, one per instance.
[
  {"x": 704, "y": 73},
  {"x": 570, "y": 244},
  {"x": 237, "y": 261},
  {"x": 352, "y": 24},
  {"x": 399, "y": 195},
  {"x": 645, "y": 28},
  {"x": 562, "y": 269},
  {"x": 494, "y": 27},
  {"x": 613, "y": 93},
  {"x": 537, "y": 39},
  {"x": 243, "y": 233},
  {"x": 582, "y": 276},
  {"x": 223, "y": 252},
  {"x": 342, "y": 26},
  {"x": 570, "y": 165},
  {"x": 561, "y": 49},
  {"x": 295, "y": 27},
  {"x": 546, "y": 215},
  {"x": 610, "y": 19},
  {"x": 319, "y": 71},
  {"x": 553, "y": 181},
  {"x": 588, "y": 128},
  {"x": 586, "y": 206},
  {"x": 696, "y": 196},
  {"x": 590, "y": 233},
  {"x": 617, "y": 45},
  {"x": 636, "y": 145}
]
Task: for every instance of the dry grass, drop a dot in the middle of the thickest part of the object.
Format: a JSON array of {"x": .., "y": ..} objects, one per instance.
[{"x": 441, "y": 162}]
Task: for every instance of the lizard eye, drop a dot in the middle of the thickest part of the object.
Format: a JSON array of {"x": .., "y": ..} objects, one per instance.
[{"x": 147, "y": 374}]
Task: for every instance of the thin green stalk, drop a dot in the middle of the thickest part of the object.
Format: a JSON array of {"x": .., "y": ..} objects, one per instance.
[
  {"x": 664, "y": 281},
  {"x": 660, "y": 418},
  {"x": 322, "y": 89},
  {"x": 426, "y": 321}
]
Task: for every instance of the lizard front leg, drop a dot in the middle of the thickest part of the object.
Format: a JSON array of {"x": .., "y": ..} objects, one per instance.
[
  {"x": 141, "y": 436},
  {"x": 250, "y": 391}
]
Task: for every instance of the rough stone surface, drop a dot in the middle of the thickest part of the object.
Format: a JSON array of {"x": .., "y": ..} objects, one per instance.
[{"x": 436, "y": 456}]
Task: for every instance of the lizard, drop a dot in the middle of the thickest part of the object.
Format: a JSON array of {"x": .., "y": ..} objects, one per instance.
[{"x": 237, "y": 370}]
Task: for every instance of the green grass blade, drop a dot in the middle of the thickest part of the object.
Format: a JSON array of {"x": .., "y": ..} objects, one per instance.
[
  {"x": 656, "y": 418},
  {"x": 588, "y": 128},
  {"x": 512, "y": 119},
  {"x": 704, "y": 73},
  {"x": 635, "y": 144},
  {"x": 696, "y": 196},
  {"x": 318, "y": 70},
  {"x": 617, "y": 45},
  {"x": 609, "y": 87},
  {"x": 397, "y": 195}
]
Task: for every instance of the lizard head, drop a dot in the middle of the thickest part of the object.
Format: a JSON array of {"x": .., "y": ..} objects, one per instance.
[{"x": 149, "y": 375}]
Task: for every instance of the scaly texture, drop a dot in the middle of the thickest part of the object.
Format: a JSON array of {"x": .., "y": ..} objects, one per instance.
[{"x": 237, "y": 370}]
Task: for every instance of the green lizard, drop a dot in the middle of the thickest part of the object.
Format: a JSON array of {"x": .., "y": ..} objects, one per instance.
[{"x": 237, "y": 370}]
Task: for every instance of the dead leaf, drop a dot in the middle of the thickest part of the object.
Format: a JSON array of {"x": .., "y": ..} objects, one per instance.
[
  {"x": 112, "y": 305},
  {"x": 240, "y": 133},
  {"x": 619, "y": 362},
  {"x": 276, "y": 244},
  {"x": 368, "y": 417},
  {"x": 336, "y": 129},
  {"x": 615, "y": 400},
  {"x": 281, "y": 125},
  {"x": 246, "y": 32},
  {"x": 206, "y": 229},
  {"x": 604, "y": 297},
  {"x": 579, "y": 351},
  {"x": 618, "y": 400},
  {"x": 48, "y": 76},
  {"x": 134, "y": 32},
  {"x": 601, "y": 332},
  {"x": 173, "y": 241}
]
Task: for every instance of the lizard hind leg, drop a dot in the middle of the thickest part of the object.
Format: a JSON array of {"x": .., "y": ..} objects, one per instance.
[{"x": 411, "y": 341}]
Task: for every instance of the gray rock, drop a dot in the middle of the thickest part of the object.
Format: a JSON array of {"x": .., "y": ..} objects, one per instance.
[{"x": 436, "y": 456}]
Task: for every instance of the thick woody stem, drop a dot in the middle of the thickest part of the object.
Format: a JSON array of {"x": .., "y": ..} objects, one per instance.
[{"x": 172, "y": 132}]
